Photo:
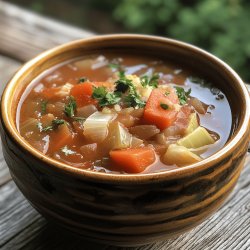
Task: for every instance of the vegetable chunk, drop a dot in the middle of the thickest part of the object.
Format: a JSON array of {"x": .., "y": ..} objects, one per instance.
[
  {"x": 133, "y": 160},
  {"x": 180, "y": 156},
  {"x": 155, "y": 113},
  {"x": 82, "y": 94}
]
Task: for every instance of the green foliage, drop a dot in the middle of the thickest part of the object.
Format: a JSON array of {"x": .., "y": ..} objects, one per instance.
[{"x": 219, "y": 26}]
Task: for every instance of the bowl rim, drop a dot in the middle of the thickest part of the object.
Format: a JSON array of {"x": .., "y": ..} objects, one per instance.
[{"x": 10, "y": 123}]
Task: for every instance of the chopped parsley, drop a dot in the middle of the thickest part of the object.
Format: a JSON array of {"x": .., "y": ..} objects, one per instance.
[
  {"x": 123, "y": 84},
  {"x": 182, "y": 94},
  {"x": 70, "y": 108},
  {"x": 67, "y": 151},
  {"x": 79, "y": 119},
  {"x": 114, "y": 65},
  {"x": 43, "y": 107},
  {"x": 152, "y": 82},
  {"x": 134, "y": 100},
  {"x": 83, "y": 79},
  {"x": 54, "y": 125},
  {"x": 104, "y": 97},
  {"x": 164, "y": 106},
  {"x": 57, "y": 122},
  {"x": 167, "y": 93}
]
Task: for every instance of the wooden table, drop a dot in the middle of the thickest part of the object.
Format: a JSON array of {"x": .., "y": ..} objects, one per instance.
[{"x": 23, "y": 35}]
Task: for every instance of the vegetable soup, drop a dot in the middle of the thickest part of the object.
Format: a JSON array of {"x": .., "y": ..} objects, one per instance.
[{"x": 124, "y": 114}]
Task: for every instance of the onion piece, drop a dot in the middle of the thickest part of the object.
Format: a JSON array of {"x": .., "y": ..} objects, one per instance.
[
  {"x": 144, "y": 131},
  {"x": 96, "y": 126},
  {"x": 199, "y": 106},
  {"x": 86, "y": 111}
]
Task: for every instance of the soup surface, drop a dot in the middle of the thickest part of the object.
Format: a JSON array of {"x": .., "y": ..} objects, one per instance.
[{"x": 124, "y": 114}]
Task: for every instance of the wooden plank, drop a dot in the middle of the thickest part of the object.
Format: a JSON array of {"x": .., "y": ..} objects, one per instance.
[
  {"x": 25, "y": 34},
  {"x": 7, "y": 68},
  {"x": 22, "y": 227}
]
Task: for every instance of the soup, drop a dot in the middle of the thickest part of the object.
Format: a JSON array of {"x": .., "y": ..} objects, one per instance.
[{"x": 124, "y": 114}]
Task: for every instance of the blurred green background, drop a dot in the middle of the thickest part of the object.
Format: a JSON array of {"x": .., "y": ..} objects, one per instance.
[{"x": 219, "y": 26}]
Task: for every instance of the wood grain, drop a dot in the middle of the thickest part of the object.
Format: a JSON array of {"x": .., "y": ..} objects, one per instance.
[
  {"x": 227, "y": 229},
  {"x": 25, "y": 34},
  {"x": 7, "y": 68}
]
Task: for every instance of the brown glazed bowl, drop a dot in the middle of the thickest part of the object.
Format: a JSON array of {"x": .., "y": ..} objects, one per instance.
[{"x": 129, "y": 209}]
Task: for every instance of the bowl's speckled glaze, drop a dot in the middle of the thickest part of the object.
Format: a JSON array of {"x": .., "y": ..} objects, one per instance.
[{"x": 127, "y": 209}]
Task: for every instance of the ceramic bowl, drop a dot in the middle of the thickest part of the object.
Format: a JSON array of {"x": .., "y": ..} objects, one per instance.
[{"x": 127, "y": 209}]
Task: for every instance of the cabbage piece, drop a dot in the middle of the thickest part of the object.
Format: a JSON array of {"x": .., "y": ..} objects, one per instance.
[
  {"x": 192, "y": 124},
  {"x": 180, "y": 156},
  {"x": 119, "y": 137},
  {"x": 96, "y": 126},
  {"x": 196, "y": 139}
]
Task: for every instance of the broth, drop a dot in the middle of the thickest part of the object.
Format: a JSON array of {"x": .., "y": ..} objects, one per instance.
[{"x": 41, "y": 112}]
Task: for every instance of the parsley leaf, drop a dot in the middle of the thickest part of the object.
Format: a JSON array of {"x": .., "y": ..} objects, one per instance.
[
  {"x": 164, "y": 106},
  {"x": 57, "y": 122},
  {"x": 114, "y": 65},
  {"x": 79, "y": 119},
  {"x": 134, "y": 100},
  {"x": 123, "y": 84},
  {"x": 54, "y": 125},
  {"x": 104, "y": 97},
  {"x": 43, "y": 107},
  {"x": 67, "y": 151},
  {"x": 70, "y": 108},
  {"x": 182, "y": 94},
  {"x": 83, "y": 79},
  {"x": 152, "y": 82}
]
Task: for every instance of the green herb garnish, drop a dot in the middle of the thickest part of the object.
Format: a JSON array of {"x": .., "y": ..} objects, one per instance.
[
  {"x": 182, "y": 94},
  {"x": 83, "y": 79},
  {"x": 114, "y": 65},
  {"x": 43, "y": 107},
  {"x": 79, "y": 119},
  {"x": 54, "y": 125},
  {"x": 123, "y": 84},
  {"x": 70, "y": 108},
  {"x": 67, "y": 151},
  {"x": 152, "y": 82},
  {"x": 57, "y": 122},
  {"x": 167, "y": 93},
  {"x": 134, "y": 100},
  {"x": 104, "y": 97},
  {"x": 164, "y": 106}
]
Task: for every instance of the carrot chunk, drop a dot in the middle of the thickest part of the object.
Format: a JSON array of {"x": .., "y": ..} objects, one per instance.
[
  {"x": 82, "y": 94},
  {"x": 133, "y": 160},
  {"x": 160, "y": 108},
  {"x": 60, "y": 137}
]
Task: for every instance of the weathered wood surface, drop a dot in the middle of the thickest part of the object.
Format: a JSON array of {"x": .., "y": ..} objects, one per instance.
[
  {"x": 24, "y": 34},
  {"x": 21, "y": 227}
]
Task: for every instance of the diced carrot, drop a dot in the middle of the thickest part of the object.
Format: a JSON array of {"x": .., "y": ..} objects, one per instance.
[
  {"x": 61, "y": 137},
  {"x": 82, "y": 94},
  {"x": 154, "y": 113},
  {"x": 133, "y": 160}
]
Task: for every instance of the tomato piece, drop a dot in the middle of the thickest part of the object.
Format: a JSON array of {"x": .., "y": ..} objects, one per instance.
[
  {"x": 154, "y": 113},
  {"x": 82, "y": 94},
  {"x": 133, "y": 160}
]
